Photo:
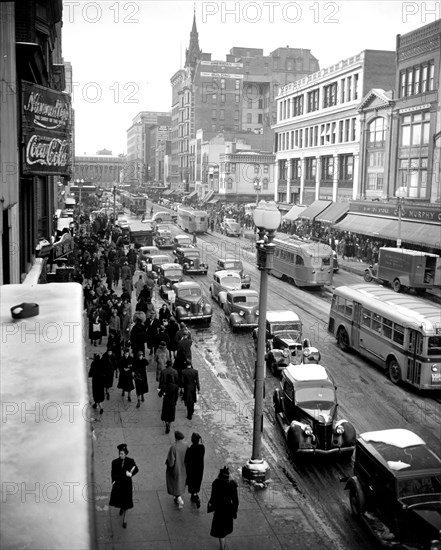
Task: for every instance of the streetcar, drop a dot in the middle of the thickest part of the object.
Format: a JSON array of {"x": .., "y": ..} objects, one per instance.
[
  {"x": 193, "y": 221},
  {"x": 305, "y": 264},
  {"x": 400, "y": 333},
  {"x": 47, "y": 436}
]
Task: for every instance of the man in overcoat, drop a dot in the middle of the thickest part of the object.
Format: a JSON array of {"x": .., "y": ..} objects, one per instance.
[{"x": 190, "y": 384}]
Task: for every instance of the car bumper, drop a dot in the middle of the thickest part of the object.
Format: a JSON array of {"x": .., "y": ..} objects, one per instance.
[
  {"x": 245, "y": 325},
  {"x": 194, "y": 317},
  {"x": 198, "y": 271}
]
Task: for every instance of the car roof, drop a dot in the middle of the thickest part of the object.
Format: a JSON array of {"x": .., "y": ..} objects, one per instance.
[
  {"x": 227, "y": 273},
  {"x": 152, "y": 248},
  {"x": 182, "y": 237},
  {"x": 188, "y": 249},
  {"x": 229, "y": 260},
  {"x": 158, "y": 256},
  {"x": 243, "y": 292},
  {"x": 399, "y": 450},
  {"x": 171, "y": 266},
  {"x": 187, "y": 284},
  {"x": 281, "y": 316},
  {"x": 306, "y": 373}
]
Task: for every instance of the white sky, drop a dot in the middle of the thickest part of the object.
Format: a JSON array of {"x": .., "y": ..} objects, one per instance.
[{"x": 123, "y": 54}]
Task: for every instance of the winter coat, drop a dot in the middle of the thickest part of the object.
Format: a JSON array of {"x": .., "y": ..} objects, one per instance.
[
  {"x": 140, "y": 376},
  {"x": 225, "y": 503},
  {"x": 122, "y": 488},
  {"x": 190, "y": 383},
  {"x": 109, "y": 368},
  {"x": 171, "y": 329},
  {"x": 138, "y": 337},
  {"x": 161, "y": 358},
  {"x": 125, "y": 381},
  {"x": 97, "y": 374},
  {"x": 194, "y": 463},
  {"x": 176, "y": 473},
  {"x": 163, "y": 378}
]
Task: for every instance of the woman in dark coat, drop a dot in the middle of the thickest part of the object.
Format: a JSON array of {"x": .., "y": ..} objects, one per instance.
[
  {"x": 108, "y": 361},
  {"x": 97, "y": 374},
  {"x": 125, "y": 382},
  {"x": 171, "y": 329},
  {"x": 140, "y": 377},
  {"x": 170, "y": 392},
  {"x": 123, "y": 469},
  {"x": 224, "y": 502},
  {"x": 194, "y": 463}
]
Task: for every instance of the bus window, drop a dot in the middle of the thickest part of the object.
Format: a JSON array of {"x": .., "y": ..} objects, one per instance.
[
  {"x": 376, "y": 322},
  {"x": 434, "y": 345},
  {"x": 348, "y": 309},
  {"x": 326, "y": 261},
  {"x": 341, "y": 305},
  {"x": 387, "y": 328},
  {"x": 366, "y": 318},
  {"x": 299, "y": 260},
  {"x": 398, "y": 334}
]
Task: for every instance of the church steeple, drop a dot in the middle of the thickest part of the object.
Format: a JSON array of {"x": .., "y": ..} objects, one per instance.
[{"x": 193, "y": 53}]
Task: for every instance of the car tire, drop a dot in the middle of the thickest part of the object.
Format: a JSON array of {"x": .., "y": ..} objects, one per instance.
[
  {"x": 357, "y": 501},
  {"x": 394, "y": 371},
  {"x": 343, "y": 339},
  {"x": 232, "y": 326},
  {"x": 396, "y": 285},
  {"x": 294, "y": 437},
  {"x": 159, "y": 220},
  {"x": 367, "y": 277},
  {"x": 349, "y": 436},
  {"x": 276, "y": 402}
]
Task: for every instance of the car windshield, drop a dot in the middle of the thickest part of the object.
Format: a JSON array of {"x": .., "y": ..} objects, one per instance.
[
  {"x": 246, "y": 300},
  {"x": 318, "y": 397},
  {"x": 160, "y": 260},
  {"x": 172, "y": 272},
  {"x": 189, "y": 292},
  {"x": 419, "y": 486},
  {"x": 191, "y": 254},
  {"x": 230, "y": 281},
  {"x": 232, "y": 265},
  {"x": 184, "y": 240},
  {"x": 287, "y": 330}
]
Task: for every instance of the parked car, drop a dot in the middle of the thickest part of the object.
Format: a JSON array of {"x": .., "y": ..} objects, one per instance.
[
  {"x": 156, "y": 260},
  {"x": 189, "y": 304},
  {"x": 190, "y": 259},
  {"x": 163, "y": 236},
  {"x": 182, "y": 241},
  {"x": 283, "y": 339},
  {"x": 305, "y": 405},
  {"x": 230, "y": 228},
  {"x": 241, "y": 308},
  {"x": 222, "y": 282},
  {"x": 167, "y": 275},
  {"x": 234, "y": 265},
  {"x": 143, "y": 253},
  {"x": 397, "y": 485}
]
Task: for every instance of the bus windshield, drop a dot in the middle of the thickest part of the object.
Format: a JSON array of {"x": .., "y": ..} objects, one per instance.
[{"x": 434, "y": 345}]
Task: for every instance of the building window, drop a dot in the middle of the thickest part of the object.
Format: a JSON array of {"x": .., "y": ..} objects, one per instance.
[
  {"x": 413, "y": 175},
  {"x": 310, "y": 169},
  {"x": 377, "y": 132},
  {"x": 259, "y": 119},
  {"x": 229, "y": 183},
  {"x": 249, "y": 118},
  {"x": 353, "y": 129},
  {"x": 222, "y": 83},
  {"x": 236, "y": 115},
  {"x": 345, "y": 167},
  {"x": 297, "y": 107},
  {"x": 222, "y": 98},
  {"x": 213, "y": 113},
  {"x": 237, "y": 98},
  {"x": 260, "y": 104},
  {"x": 222, "y": 114},
  {"x": 330, "y": 95},
  {"x": 356, "y": 86},
  {"x": 415, "y": 129},
  {"x": 265, "y": 169},
  {"x": 340, "y": 131},
  {"x": 313, "y": 100},
  {"x": 342, "y": 90},
  {"x": 417, "y": 79},
  {"x": 374, "y": 181},
  {"x": 295, "y": 170},
  {"x": 249, "y": 104},
  {"x": 237, "y": 84},
  {"x": 349, "y": 88},
  {"x": 327, "y": 168},
  {"x": 213, "y": 98}
]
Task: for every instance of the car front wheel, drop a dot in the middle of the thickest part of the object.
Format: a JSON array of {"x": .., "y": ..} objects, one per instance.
[{"x": 357, "y": 501}]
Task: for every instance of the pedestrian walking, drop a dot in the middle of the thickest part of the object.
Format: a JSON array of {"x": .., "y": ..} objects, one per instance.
[
  {"x": 108, "y": 361},
  {"x": 171, "y": 329},
  {"x": 138, "y": 336},
  {"x": 162, "y": 356},
  {"x": 194, "y": 464},
  {"x": 140, "y": 377},
  {"x": 169, "y": 390},
  {"x": 176, "y": 472},
  {"x": 139, "y": 285},
  {"x": 123, "y": 469},
  {"x": 195, "y": 241},
  {"x": 190, "y": 384},
  {"x": 152, "y": 325},
  {"x": 98, "y": 377},
  {"x": 125, "y": 382},
  {"x": 224, "y": 502}
]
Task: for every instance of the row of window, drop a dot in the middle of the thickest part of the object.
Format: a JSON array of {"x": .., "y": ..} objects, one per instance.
[
  {"x": 230, "y": 168},
  {"x": 227, "y": 183},
  {"x": 323, "y": 134},
  {"x": 345, "y": 168},
  {"x": 346, "y": 88},
  {"x": 417, "y": 79}
]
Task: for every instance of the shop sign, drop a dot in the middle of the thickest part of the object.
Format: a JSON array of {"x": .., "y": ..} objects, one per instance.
[
  {"x": 390, "y": 210},
  {"x": 46, "y": 128}
]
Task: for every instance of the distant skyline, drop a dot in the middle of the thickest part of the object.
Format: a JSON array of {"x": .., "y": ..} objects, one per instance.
[{"x": 123, "y": 54}]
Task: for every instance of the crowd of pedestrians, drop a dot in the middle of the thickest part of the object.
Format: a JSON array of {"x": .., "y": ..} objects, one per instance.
[{"x": 134, "y": 339}]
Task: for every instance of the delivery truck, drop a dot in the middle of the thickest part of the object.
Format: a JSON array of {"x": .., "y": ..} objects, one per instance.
[{"x": 404, "y": 269}]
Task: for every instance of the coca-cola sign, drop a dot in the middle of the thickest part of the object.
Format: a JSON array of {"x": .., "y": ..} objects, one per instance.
[{"x": 46, "y": 128}]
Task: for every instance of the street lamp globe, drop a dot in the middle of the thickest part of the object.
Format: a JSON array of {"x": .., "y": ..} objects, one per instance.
[
  {"x": 267, "y": 215},
  {"x": 401, "y": 192}
]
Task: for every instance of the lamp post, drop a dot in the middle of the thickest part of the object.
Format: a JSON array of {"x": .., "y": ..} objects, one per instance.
[
  {"x": 257, "y": 188},
  {"x": 400, "y": 193},
  {"x": 267, "y": 220},
  {"x": 114, "y": 204},
  {"x": 80, "y": 185}
]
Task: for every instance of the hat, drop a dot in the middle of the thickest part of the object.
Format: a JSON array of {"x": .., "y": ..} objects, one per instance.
[
  {"x": 179, "y": 435},
  {"x": 162, "y": 343},
  {"x": 195, "y": 437},
  {"x": 123, "y": 447}
]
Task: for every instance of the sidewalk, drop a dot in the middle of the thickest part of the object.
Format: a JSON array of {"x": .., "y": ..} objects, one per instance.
[{"x": 276, "y": 518}]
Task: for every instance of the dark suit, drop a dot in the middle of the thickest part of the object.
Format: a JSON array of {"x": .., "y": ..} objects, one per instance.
[{"x": 190, "y": 383}]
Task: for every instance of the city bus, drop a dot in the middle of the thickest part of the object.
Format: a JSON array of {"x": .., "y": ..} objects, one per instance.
[
  {"x": 400, "y": 333},
  {"x": 193, "y": 221},
  {"x": 47, "y": 437},
  {"x": 305, "y": 264}
]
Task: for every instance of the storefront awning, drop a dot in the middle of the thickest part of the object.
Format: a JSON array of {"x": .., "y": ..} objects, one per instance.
[
  {"x": 333, "y": 213},
  {"x": 314, "y": 210},
  {"x": 420, "y": 233},
  {"x": 294, "y": 213},
  {"x": 168, "y": 192},
  {"x": 192, "y": 195},
  {"x": 365, "y": 225},
  {"x": 208, "y": 196},
  {"x": 213, "y": 201}
]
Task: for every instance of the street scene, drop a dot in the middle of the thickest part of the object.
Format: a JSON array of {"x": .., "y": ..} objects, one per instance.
[{"x": 221, "y": 319}]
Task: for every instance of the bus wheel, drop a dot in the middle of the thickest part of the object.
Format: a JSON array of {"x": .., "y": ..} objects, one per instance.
[
  {"x": 394, "y": 371},
  {"x": 343, "y": 339},
  {"x": 396, "y": 285}
]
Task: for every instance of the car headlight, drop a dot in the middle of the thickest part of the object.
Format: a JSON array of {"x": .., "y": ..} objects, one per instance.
[
  {"x": 339, "y": 429},
  {"x": 168, "y": 285},
  {"x": 187, "y": 306},
  {"x": 307, "y": 430},
  {"x": 191, "y": 263},
  {"x": 257, "y": 312},
  {"x": 285, "y": 353},
  {"x": 434, "y": 368},
  {"x": 241, "y": 313}
]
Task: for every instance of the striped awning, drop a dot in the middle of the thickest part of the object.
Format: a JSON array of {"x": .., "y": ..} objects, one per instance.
[
  {"x": 314, "y": 210},
  {"x": 333, "y": 213}
]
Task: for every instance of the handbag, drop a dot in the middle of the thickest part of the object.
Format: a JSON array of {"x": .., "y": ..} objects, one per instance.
[
  {"x": 210, "y": 507},
  {"x": 96, "y": 327}
]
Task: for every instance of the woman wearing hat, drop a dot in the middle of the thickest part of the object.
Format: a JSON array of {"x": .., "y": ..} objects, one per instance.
[
  {"x": 176, "y": 474},
  {"x": 224, "y": 502},
  {"x": 140, "y": 377},
  {"x": 162, "y": 355},
  {"x": 194, "y": 463},
  {"x": 98, "y": 380},
  {"x": 123, "y": 469}
]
